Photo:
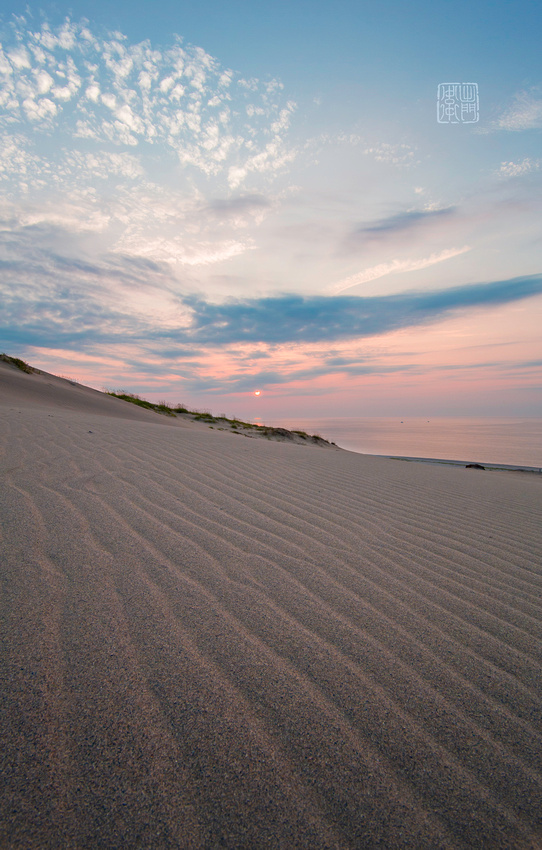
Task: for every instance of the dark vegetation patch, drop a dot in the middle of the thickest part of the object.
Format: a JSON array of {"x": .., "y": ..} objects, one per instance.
[
  {"x": 20, "y": 364},
  {"x": 161, "y": 407}
]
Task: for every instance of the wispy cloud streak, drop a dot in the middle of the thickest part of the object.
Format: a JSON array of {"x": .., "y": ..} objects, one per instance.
[{"x": 395, "y": 267}]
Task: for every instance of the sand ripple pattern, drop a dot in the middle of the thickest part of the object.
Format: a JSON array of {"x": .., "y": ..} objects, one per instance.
[{"x": 217, "y": 642}]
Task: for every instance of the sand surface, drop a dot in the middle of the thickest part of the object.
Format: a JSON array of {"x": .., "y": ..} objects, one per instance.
[{"x": 210, "y": 641}]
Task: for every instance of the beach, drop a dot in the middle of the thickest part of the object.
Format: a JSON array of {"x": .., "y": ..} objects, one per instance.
[{"x": 217, "y": 641}]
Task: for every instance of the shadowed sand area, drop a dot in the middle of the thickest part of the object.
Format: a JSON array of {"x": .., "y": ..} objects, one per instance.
[{"x": 214, "y": 641}]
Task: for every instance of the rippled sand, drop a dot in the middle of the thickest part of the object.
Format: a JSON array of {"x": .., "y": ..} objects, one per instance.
[{"x": 215, "y": 641}]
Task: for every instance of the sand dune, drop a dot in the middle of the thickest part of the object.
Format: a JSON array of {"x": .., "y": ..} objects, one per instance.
[{"x": 212, "y": 641}]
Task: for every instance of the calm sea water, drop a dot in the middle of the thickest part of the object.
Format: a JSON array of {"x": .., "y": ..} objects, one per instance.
[{"x": 508, "y": 441}]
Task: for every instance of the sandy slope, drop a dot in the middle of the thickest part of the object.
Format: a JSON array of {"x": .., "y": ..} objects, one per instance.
[{"x": 211, "y": 641}]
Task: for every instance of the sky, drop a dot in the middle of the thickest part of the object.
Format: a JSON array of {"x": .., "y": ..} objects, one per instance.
[{"x": 337, "y": 206}]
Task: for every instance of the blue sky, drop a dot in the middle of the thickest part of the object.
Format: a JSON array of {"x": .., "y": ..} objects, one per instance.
[{"x": 198, "y": 202}]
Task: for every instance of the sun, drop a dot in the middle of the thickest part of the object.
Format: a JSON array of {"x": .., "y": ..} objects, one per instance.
[{"x": 257, "y": 392}]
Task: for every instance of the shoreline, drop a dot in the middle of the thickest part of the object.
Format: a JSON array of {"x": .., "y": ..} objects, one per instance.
[
  {"x": 491, "y": 441},
  {"x": 486, "y": 466}
]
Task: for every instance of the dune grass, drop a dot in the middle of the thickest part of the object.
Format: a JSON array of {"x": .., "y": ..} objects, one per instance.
[
  {"x": 236, "y": 426},
  {"x": 161, "y": 407},
  {"x": 20, "y": 364}
]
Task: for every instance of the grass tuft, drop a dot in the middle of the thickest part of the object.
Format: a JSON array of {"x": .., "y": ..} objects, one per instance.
[
  {"x": 20, "y": 364},
  {"x": 162, "y": 407}
]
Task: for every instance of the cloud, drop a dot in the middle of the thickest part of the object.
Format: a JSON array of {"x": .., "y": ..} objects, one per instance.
[
  {"x": 525, "y": 113},
  {"x": 79, "y": 85},
  {"x": 518, "y": 169},
  {"x": 198, "y": 253},
  {"x": 18, "y": 160},
  {"x": 104, "y": 164},
  {"x": 101, "y": 136},
  {"x": 398, "y": 224},
  {"x": 51, "y": 297},
  {"x": 395, "y": 267},
  {"x": 292, "y": 318},
  {"x": 134, "y": 311},
  {"x": 404, "y": 221},
  {"x": 240, "y": 210},
  {"x": 127, "y": 213},
  {"x": 400, "y": 155}
]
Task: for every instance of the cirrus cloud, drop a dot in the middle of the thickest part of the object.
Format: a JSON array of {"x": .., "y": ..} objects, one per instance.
[{"x": 397, "y": 266}]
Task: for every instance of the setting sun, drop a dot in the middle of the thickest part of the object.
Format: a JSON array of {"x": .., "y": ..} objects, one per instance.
[{"x": 257, "y": 392}]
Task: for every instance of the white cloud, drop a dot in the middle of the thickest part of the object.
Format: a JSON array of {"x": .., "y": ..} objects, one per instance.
[
  {"x": 252, "y": 110},
  {"x": 80, "y": 109},
  {"x": 109, "y": 100},
  {"x": 395, "y": 267},
  {"x": 524, "y": 114},
  {"x": 19, "y": 58},
  {"x": 37, "y": 110},
  {"x": 178, "y": 92},
  {"x": 104, "y": 164},
  {"x": 118, "y": 132},
  {"x": 124, "y": 94},
  {"x": 39, "y": 55},
  {"x": 87, "y": 36},
  {"x": 236, "y": 175},
  {"x": 249, "y": 85},
  {"x": 62, "y": 92},
  {"x": 17, "y": 160},
  {"x": 5, "y": 67},
  {"x": 127, "y": 117},
  {"x": 83, "y": 130},
  {"x": 93, "y": 92},
  {"x": 174, "y": 234},
  {"x": 120, "y": 66},
  {"x": 44, "y": 81},
  {"x": 64, "y": 38},
  {"x": 283, "y": 121},
  {"x": 517, "y": 169},
  {"x": 79, "y": 215},
  {"x": 178, "y": 252},
  {"x": 399, "y": 155},
  {"x": 145, "y": 81},
  {"x": 166, "y": 84}
]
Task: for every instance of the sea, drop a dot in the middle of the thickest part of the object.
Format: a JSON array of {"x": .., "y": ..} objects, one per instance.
[{"x": 507, "y": 441}]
